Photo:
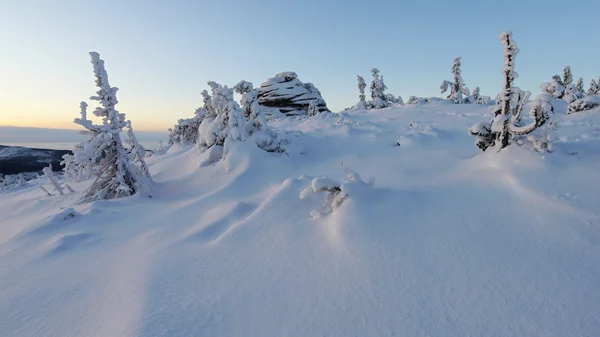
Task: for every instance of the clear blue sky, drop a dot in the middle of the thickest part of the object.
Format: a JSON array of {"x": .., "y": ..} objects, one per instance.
[{"x": 161, "y": 53}]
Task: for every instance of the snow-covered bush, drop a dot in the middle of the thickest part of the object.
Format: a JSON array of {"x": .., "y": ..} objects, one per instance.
[
  {"x": 563, "y": 88},
  {"x": 226, "y": 123},
  {"x": 416, "y": 100},
  {"x": 393, "y": 99},
  {"x": 505, "y": 126},
  {"x": 583, "y": 104},
  {"x": 51, "y": 178},
  {"x": 10, "y": 181},
  {"x": 104, "y": 155},
  {"x": 336, "y": 191},
  {"x": 160, "y": 149},
  {"x": 459, "y": 93}
]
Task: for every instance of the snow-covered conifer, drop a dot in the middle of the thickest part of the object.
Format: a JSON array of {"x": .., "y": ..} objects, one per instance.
[
  {"x": 475, "y": 96},
  {"x": 378, "y": 90},
  {"x": 226, "y": 123},
  {"x": 594, "y": 88},
  {"x": 362, "y": 102},
  {"x": 556, "y": 88},
  {"x": 567, "y": 76},
  {"x": 137, "y": 153},
  {"x": 104, "y": 154},
  {"x": 457, "y": 87},
  {"x": 509, "y": 104},
  {"x": 579, "y": 88}
]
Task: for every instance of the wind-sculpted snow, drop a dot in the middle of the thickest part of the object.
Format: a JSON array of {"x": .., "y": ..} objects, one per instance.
[{"x": 447, "y": 241}]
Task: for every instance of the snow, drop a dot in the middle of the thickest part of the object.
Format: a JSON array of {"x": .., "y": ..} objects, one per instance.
[{"x": 447, "y": 241}]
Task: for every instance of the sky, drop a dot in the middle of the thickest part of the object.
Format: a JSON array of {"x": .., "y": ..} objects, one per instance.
[{"x": 160, "y": 54}]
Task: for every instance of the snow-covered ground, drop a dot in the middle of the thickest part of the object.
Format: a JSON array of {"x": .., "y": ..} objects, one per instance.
[{"x": 448, "y": 242}]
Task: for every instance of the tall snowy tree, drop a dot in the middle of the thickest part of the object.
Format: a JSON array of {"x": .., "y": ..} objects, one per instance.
[
  {"x": 475, "y": 95},
  {"x": 378, "y": 90},
  {"x": 567, "y": 76},
  {"x": 137, "y": 152},
  {"x": 362, "y": 100},
  {"x": 104, "y": 154},
  {"x": 457, "y": 88},
  {"x": 579, "y": 88},
  {"x": 502, "y": 128},
  {"x": 594, "y": 90}
]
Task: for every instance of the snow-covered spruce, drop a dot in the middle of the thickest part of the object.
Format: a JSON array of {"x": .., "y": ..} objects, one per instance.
[
  {"x": 459, "y": 93},
  {"x": 362, "y": 99},
  {"x": 579, "y": 88},
  {"x": 226, "y": 123},
  {"x": 563, "y": 88},
  {"x": 103, "y": 155},
  {"x": 583, "y": 104},
  {"x": 378, "y": 96},
  {"x": 503, "y": 127},
  {"x": 137, "y": 152},
  {"x": 594, "y": 88},
  {"x": 336, "y": 191}
]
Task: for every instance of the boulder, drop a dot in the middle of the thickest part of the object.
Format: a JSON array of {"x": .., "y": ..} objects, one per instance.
[{"x": 289, "y": 95}]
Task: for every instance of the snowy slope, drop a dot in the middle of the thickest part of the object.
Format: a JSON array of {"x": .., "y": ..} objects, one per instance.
[{"x": 449, "y": 241}]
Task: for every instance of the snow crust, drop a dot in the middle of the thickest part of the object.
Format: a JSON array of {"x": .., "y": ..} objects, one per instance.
[{"x": 447, "y": 241}]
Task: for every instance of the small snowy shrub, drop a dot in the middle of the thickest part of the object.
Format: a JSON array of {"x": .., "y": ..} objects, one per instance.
[
  {"x": 506, "y": 126},
  {"x": 10, "y": 181},
  {"x": 583, "y": 104},
  {"x": 335, "y": 191},
  {"x": 51, "y": 178}
]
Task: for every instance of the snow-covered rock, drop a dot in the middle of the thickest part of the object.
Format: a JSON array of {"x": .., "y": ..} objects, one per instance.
[{"x": 289, "y": 95}]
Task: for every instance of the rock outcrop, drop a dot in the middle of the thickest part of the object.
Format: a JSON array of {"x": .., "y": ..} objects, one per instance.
[{"x": 289, "y": 95}]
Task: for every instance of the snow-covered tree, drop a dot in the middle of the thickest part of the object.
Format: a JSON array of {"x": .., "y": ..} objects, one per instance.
[
  {"x": 579, "y": 88},
  {"x": 594, "y": 89},
  {"x": 503, "y": 129},
  {"x": 457, "y": 88},
  {"x": 567, "y": 76},
  {"x": 226, "y": 123},
  {"x": 249, "y": 98},
  {"x": 378, "y": 90},
  {"x": 104, "y": 154},
  {"x": 362, "y": 100},
  {"x": 556, "y": 87},
  {"x": 137, "y": 153},
  {"x": 393, "y": 99}
]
